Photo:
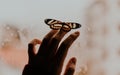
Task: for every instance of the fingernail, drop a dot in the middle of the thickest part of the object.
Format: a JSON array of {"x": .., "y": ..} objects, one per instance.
[
  {"x": 77, "y": 33},
  {"x": 73, "y": 60}
]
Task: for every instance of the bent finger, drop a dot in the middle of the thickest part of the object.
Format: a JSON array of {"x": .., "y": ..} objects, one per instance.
[
  {"x": 70, "y": 68},
  {"x": 31, "y": 48}
]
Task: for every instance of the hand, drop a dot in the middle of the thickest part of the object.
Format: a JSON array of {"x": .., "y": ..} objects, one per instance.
[{"x": 50, "y": 56}]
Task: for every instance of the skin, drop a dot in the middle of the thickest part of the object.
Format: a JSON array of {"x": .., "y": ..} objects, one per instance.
[{"x": 50, "y": 56}]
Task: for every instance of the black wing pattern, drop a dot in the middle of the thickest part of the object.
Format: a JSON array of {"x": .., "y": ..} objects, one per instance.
[{"x": 66, "y": 26}]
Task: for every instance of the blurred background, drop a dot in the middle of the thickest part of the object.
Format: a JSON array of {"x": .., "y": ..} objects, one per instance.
[{"x": 97, "y": 49}]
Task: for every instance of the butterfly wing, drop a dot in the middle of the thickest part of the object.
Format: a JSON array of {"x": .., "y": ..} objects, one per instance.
[
  {"x": 54, "y": 24},
  {"x": 73, "y": 25},
  {"x": 65, "y": 27}
]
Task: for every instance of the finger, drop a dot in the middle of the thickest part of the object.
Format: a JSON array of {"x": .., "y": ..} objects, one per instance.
[
  {"x": 70, "y": 68},
  {"x": 31, "y": 48},
  {"x": 35, "y": 41},
  {"x": 63, "y": 49},
  {"x": 53, "y": 45},
  {"x": 45, "y": 42}
]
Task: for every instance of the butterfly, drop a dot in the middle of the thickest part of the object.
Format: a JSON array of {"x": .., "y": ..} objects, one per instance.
[{"x": 66, "y": 26}]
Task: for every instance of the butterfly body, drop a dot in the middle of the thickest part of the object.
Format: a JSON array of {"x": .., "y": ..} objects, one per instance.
[{"x": 66, "y": 26}]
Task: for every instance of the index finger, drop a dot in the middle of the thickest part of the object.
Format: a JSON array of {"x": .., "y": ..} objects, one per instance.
[{"x": 45, "y": 42}]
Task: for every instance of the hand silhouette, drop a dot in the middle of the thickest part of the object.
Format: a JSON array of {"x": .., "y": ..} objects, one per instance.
[{"x": 50, "y": 56}]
